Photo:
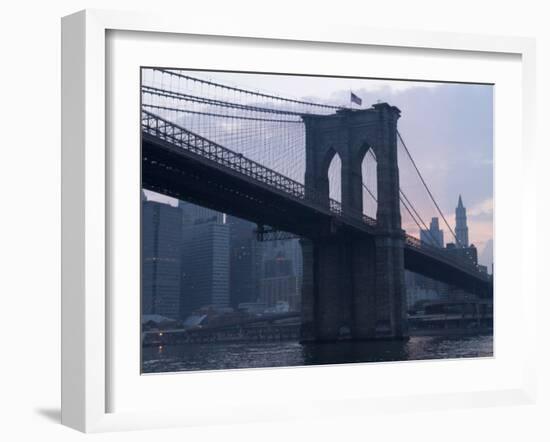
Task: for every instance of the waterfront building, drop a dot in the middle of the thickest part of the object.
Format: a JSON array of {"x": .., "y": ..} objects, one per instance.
[
  {"x": 280, "y": 285},
  {"x": 420, "y": 288},
  {"x": 161, "y": 259},
  {"x": 290, "y": 249},
  {"x": 205, "y": 266},
  {"x": 245, "y": 261}
]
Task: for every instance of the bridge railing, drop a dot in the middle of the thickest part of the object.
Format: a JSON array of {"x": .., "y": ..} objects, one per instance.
[
  {"x": 441, "y": 254},
  {"x": 192, "y": 142}
]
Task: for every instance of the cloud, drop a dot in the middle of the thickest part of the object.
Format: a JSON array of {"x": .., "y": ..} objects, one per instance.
[{"x": 482, "y": 211}]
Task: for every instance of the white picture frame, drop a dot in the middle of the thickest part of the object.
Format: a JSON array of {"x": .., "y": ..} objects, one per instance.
[{"x": 86, "y": 211}]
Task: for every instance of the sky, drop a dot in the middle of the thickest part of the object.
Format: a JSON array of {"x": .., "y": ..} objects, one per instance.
[{"x": 448, "y": 128}]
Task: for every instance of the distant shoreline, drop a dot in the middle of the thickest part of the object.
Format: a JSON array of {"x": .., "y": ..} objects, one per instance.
[
  {"x": 451, "y": 332},
  {"x": 442, "y": 333}
]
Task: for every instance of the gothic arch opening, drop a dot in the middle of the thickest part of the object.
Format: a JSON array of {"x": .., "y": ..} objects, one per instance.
[
  {"x": 369, "y": 178},
  {"x": 334, "y": 175}
]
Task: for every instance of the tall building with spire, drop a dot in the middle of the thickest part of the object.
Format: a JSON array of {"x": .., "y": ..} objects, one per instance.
[{"x": 461, "y": 225}]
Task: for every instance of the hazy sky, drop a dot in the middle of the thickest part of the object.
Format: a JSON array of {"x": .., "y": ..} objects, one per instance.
[{"x": 448, "y": 129}]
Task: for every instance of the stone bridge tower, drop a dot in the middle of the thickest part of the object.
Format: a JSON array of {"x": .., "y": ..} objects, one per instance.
[{"x": 353, "y": 285}]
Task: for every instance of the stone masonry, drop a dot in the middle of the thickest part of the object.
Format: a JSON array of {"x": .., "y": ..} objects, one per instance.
[{"x": 354, "y": 288}]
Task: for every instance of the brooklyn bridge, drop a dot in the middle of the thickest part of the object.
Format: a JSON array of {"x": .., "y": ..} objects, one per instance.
[{"x": 266, "y": 158}]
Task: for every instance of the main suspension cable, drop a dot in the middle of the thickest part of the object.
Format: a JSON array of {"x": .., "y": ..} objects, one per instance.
[
  {"x": 246, "y": 91},
  {"x": 401, "y": 197},
  {"x": 427, "y": 189}
]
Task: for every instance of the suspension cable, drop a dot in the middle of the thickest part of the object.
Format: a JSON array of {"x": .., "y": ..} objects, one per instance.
[
  {"x": 370, "y": 193},
  {"x": 415, "y": 211},
  {"x": 410, "y": 213},
  {"x": 402, "y": 195},
  {"x": 213, "y": 102},
  {"x": 211, "y": 114},
  {"x": 246, "y": 91},
  {"x": 427, "y": 189}
]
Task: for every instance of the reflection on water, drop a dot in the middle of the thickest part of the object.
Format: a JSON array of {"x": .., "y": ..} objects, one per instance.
[{"x": 284, "y": 354}]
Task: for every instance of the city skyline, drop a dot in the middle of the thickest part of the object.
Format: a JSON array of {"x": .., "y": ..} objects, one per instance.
[
  {"x": 485, "y": 255},
  {"x": 185, "y": 231},
  {"x": 195, "y": 258}
]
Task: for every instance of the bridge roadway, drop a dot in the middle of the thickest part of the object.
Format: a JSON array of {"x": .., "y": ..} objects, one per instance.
[{"x": 184, "y": 165}]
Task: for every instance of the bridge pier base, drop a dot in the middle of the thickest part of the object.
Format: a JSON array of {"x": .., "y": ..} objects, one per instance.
[
  {"x": 308, "y": 327},
  {"x": 391, "y": 296},
  {"x": 327, "y": 304},
  {"x": 353, "y": 289}
]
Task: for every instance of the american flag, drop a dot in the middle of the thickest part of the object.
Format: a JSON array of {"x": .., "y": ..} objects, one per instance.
[{"x": 355, "y": 99}]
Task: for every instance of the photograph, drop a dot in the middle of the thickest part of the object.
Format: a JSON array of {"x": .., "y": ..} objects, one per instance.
[{"x": 302, "y": 220}]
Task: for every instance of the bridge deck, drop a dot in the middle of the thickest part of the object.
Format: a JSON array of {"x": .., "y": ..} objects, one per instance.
[{"x": 182, "y": 164}]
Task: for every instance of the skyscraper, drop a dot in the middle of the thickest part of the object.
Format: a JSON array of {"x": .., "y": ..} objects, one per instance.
[
  {"x": 290, "y": 249},
  {"x": 280, "y": 285},
  {"x": 204, "y": 259},
  {"x": 161, "y": 258},
  {"x": 433, "y": 236},
  {"x": 461, "y": 225},
  {"x": 282, "y": 270},
  {"x": 246, "y": 261},
  {"x": 194, "y": 214}
]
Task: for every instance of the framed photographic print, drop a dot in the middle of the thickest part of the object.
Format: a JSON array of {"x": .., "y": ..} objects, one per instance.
[{"x": 306, "y": 222}]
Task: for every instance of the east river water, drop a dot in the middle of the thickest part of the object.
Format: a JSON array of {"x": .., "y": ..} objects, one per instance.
[{"x": 186, "y": 357}]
